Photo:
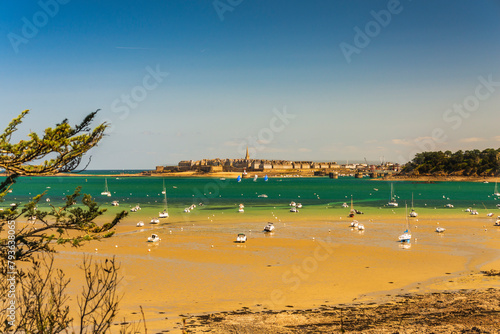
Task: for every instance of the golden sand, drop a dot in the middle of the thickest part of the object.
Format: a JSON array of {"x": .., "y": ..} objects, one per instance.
[{"x": 197, "y": 267}]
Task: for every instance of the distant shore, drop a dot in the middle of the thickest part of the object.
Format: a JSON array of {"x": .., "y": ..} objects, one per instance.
[
  {"x": 441, "y": 178},
  {"x": 287, "y": 173}
]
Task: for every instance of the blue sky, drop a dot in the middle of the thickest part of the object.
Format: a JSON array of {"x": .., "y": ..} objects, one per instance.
[{"x": 298, "y": 80}]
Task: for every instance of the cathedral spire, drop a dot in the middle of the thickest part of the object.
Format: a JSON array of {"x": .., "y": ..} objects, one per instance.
[{"x": 247, "y": 157}]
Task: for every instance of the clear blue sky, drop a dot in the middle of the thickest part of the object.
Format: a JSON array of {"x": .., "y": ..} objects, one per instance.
[{"x": 234, "y": 65}]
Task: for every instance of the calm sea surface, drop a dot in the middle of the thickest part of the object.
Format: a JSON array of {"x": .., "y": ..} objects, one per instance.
[{"x": 224, "y": 194}]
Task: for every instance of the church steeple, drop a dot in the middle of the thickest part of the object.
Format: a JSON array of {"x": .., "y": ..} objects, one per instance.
[{"x": 247, "y": 157}]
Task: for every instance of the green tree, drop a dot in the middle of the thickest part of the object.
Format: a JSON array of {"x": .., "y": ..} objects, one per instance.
[{"x": 42, "y": 288}]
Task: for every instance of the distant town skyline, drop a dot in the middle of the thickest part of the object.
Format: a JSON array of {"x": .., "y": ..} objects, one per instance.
[{"x": 292, "y": 80}]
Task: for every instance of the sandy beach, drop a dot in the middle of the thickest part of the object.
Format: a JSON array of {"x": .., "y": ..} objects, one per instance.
[{"x": 307, "y": 262}]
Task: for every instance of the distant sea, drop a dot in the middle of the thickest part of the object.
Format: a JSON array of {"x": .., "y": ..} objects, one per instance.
[{"x": 216, "y": 193}]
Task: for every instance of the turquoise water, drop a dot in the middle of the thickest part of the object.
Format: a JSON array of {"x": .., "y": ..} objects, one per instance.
[{"x": 182, "y": 192}]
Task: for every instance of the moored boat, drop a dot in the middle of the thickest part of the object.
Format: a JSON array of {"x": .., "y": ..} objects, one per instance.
[
  {"x": 269, "y": 227},
  {"x": 106, "y": 190},
  {"x": 406, "y": 236},
  {"x": 392, "y": 200},
  {"x": 154, "y": 238},
  {"x": 241, "y": 238}
]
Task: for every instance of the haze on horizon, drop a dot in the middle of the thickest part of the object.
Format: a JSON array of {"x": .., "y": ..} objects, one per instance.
[{"x": 295, "y": 80}]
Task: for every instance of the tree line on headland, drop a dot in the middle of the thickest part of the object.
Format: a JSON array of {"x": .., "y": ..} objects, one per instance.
[{"x": 460, "y": 163}]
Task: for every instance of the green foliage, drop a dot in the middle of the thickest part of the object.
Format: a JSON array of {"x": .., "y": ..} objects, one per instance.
[
  {"x": 58, "y": 150},
  {"x": 72, "y": 223},
  {"x": 468, "y": 163},
  {"x": 42, "y": 298}
]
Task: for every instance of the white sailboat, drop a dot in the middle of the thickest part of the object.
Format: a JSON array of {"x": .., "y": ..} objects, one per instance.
[
  {"x": 164, "y": 214},
  {"x": 406, "y": 236},
  {"x": 255, "y": 178},
  {"x": 413, "y": 213},
  {"x": 495, "y": 192},
  {"x": 164, "y": 191},
  {"x": 352, "y": 212},
  {"x": 106, "y": 190},
  {"x": 392, "y": 201}
]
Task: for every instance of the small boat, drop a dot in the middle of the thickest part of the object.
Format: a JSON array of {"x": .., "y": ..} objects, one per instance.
[
  {"x": 449, "y": 205},
  {"x": 155, "y": 221},
  {"x": 186, "y": 210},
  {"x": 495, "y": 192},
  {"x": 497, "y": 223},
  {"x": 263, "y": 195},
  {"x": 154, "y": 238},
  {"x": 361, "y": 227},
  {"x": 406, "y": 236},
  {"x": 106, "y": 190},
  {"x": 140, "y": 224},
  {"x": 299, "y": 205},
  {"x": 241, "y": 238},
  {"x": 413, "y": 213},
  {"x": 164, "y": 214},
  {"x": 266, "y": 178},
  {"x": 474, "y": 212},
  {"x": 345, "y": 205},
  {"x": 135, "y": 208},
  {"x": 238, "y": 178},
  {"x": 392, "y": 200},
  {"x": 292, "y": 203},
  {"x": 269, "y": 227},
  {"x": 164, "y": 191},
  {"x": 490, "y": 214},
  {"x": 294, "y": 209},
  {"x": 354, "y": 223},
  {"x": 115, "y": 203},
  {"x": 440, "y": 229},
  {"x": 255, "y": 178},
  {"x": 241, "y": 210},
  {"x": 352, "y": 212},
  {"x": 47, "y": 200}
]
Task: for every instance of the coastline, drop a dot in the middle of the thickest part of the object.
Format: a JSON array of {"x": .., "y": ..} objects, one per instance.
[
  {"x": 282, "y": 173},
  {"x": 441, "y": 178}
]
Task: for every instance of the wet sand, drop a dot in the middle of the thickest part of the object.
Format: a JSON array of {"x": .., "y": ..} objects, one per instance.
[
  {"x": 446, "y": 312},
  {"x": 307, "y": 262}
]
